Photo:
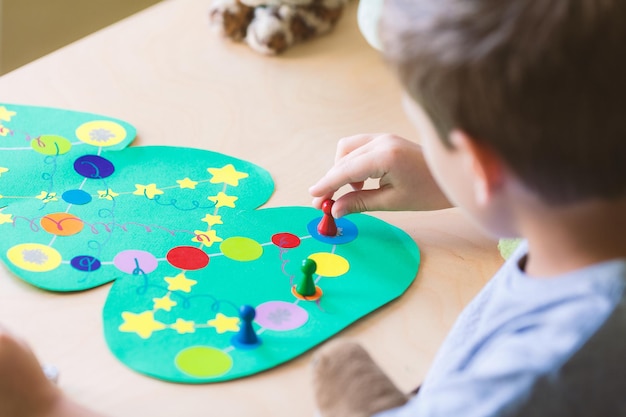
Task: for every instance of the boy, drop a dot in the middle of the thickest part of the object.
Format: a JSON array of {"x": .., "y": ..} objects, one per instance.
[
  {"x": 527, "y": 98},
  {"x": 527, "y": 101}
]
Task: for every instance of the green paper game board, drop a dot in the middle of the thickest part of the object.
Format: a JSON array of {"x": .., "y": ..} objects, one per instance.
[{"x": 180, "y": 235}]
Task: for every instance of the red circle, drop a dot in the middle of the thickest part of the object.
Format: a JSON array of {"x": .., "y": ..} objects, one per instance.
[
  {"x": 286, "y": 240},
  {"x": 187, "y": 258}
]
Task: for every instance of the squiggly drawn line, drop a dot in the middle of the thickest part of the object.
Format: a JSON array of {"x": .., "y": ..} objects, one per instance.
[
  {"x": 96, "y": 174},
  {"x": 195, "y": 204},
  {"x": 138, "y": 271},
  {"x": 29, "y": 148},
  {"x": 282, "y": 250},
  {"x": 94, "y": 244},
  {"x": 87, "y": 263},
  {"x": 215, "y": 305},
  {"x": 108, "y": 227},
  {"x": 49, "y": 176},
  {"x": 202, "y": 237}
]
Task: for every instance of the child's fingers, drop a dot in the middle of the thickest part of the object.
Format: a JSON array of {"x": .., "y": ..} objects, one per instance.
[
  {"x": 354, "y": 170},
  {"x": 349, "y": 144},
  {"x": 361, "y": 201}
]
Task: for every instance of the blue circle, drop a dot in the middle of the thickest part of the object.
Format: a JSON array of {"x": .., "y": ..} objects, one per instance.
[
  {"x": 94, "y": 166},
  {"x": 85, "y": 263},
  {"x": 236, "y": 341},
  {"x": 78, "y": 197},
  {"x": 346, "y": 231}
]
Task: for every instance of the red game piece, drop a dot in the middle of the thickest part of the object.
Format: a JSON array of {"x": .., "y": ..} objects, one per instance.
[{"x": 327, "y": 226}]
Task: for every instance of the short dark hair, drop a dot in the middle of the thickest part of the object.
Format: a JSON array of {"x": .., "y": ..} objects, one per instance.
[{"x": 541, "y": 82}]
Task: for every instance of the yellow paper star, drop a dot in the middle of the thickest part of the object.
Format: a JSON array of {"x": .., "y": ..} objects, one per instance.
[
  {"x": 164, "y": 303},
  {"x": 47, "y": 197},
  {"x": 212, "y": 220},
  {"x": 184, "y": 326},
  {"x": 143, "y": 324},
  {"x": 149, "y": 190},
  {"x": 227, "y": 174},
  {"x": 207, "y": 238},
  {"x": 3, "y": 170},
  {"x": 5, "y": 218},
  {"x": 224, "y": 323},
  {"x": 223, "y": 200},
  {"x": 6, "y": 114},
  {"x": 108, "y": 194},
  {"x": 180, "y": 282},
  {"x": 187, "y": 183}
]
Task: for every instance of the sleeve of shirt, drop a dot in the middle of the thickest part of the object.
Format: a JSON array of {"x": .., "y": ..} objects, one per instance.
[{"x": 498, "y": 377}]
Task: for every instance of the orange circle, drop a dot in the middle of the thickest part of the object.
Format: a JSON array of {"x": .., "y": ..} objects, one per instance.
[
  {"x": 61, "y": 224},
  {"x": 318, "y": 294}
]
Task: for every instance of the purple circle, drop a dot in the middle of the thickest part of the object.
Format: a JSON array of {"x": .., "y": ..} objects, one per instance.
[
  {"x": 135, "y": 262},
  {"x": 93, "y": 166},
  {"x": 281, "y": 315},
  {"x": 85, "y": 263}
]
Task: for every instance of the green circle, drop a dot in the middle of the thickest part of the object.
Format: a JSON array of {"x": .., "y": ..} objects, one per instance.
[
  {"x": 51, "y": 145},
  {"x": 241, "y": 249},
  {"x": 203, "y": 362}
]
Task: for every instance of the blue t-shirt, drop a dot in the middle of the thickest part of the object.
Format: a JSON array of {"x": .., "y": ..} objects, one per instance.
[{"x": 533, "y": 347}]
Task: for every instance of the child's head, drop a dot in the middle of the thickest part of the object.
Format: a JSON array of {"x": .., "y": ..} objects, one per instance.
[{"x": 540, "y": 82}]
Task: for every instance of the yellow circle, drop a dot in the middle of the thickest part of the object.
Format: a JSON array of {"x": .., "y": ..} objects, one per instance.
[
  {"x": 241, "y": 249},
  {"x": 34, "y": 257},
  {"x": 101, "y": 133},
  {"x": 203, "y": 361},
  {"x": 51, "y": 145},
  {"x": 330, "y": 264}
]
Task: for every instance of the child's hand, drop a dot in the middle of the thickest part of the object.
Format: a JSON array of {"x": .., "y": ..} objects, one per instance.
[
  {"x": 24, "y": 389},
  {"x": 405, "y": 183}
]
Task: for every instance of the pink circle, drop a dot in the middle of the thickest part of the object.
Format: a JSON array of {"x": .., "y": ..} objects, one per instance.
[
  {"x": 188, "y": 258},
  {"x": 286, "y": 240},
  {"x": 280, "y": 315},
  {"x": 135, "y": 262}
]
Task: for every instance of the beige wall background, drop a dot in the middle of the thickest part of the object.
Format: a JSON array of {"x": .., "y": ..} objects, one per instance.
[{"x": 30, "y": 29}]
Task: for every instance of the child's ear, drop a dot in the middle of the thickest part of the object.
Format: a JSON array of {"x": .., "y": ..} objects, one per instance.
[{"x": 480, "y": 160}]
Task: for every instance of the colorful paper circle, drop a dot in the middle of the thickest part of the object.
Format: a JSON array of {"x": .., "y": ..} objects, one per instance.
[
  {"x": 94, "y": 166},
  {"x": 281, "y": 316},
  {"x": 51, "y": 145},
  {"x": 101, "y": 133},
  {"x": 203, "y": 361},
  {"x": 188, "y": 258},
  {"x": 77, "y": 197},
  {"x": 135, "y": 262},
  {"x": 85, "y": 263},
  {"x": 286, "y": 240},
  {"x": 330, "y": 264},
  {"x": 241, "y": 249},
  {"x": 61, "y": 224},
  {"x": 34, "y": 257},
  {"x": 346, "y": 232}
]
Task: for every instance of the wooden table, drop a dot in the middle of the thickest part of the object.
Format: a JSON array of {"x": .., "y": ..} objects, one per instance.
[{"x": 164, "y": 71}]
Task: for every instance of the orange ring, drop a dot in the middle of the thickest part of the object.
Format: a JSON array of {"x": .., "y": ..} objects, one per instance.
[{"x": 314, "y": 297}]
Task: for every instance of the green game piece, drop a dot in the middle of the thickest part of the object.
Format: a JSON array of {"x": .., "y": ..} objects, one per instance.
[{"x": 306, "y": 287}]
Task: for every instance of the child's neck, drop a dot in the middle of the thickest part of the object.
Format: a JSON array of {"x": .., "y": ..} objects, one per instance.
[{"x": 563, "y": 239}]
